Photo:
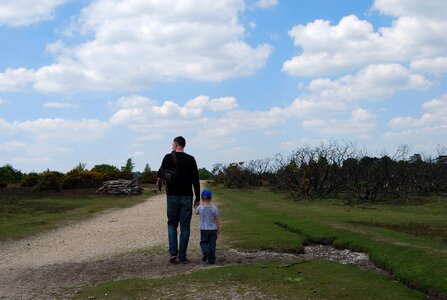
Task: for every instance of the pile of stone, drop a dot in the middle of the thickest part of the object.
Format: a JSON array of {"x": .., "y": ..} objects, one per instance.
[{"x": 121, "y": 187}]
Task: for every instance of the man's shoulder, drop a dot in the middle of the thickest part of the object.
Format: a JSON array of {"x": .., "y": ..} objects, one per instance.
[{"x": 187, "y": 156}]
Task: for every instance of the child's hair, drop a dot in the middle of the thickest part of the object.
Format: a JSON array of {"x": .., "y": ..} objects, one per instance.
[{"x": 206, "y": 194}]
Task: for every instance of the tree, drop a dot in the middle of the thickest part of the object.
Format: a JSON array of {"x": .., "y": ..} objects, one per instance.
[
  {"x": 129, "y": 166},
  {"x": 9, "y": 174},
  {"x": 148, "y": 176},
  {"x": 204, "y": 174},
  {"x": 105, "y": 168}
]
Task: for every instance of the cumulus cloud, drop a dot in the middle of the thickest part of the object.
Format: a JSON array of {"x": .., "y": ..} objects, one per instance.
[
  {"x": 361, "y": 122},
  {"x": 139, "y": 109},
  {"x": 419, "y": 8},
  {"x": 434, "y": 112},
  {"x": 155, "y": 118},
  {"x": 57, "y": 129},
  {"x": 25, "y": 12},
  {"x": 265, "y": 3},
  {"x": 324, "y": 96},
  {"x": 435, "y": 65},
  {"x": 12, "y": 80},
  {"x": 12, "y": 146},
  {"x": 373, "y": 82},
  {"x": 139, "y": 43},
  {"x": 60, "y": 105},
  {"x": 353, "y": 43}
]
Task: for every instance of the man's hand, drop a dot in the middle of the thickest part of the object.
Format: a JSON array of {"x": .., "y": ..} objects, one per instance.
[{"x": 196, "y": 203}]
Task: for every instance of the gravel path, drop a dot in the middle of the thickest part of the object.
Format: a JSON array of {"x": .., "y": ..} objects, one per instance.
[{"x": 106, "y": 235}]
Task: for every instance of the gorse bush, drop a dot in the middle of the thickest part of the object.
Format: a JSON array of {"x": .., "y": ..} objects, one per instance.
[
  {"x": 49, "y": 181},
  {"x": 29, "y": 180},
  {"x": 77, "y": 179}
]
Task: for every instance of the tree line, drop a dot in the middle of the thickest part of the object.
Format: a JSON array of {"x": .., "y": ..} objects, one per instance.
[
  {"x": 80, "y": 177},
  {"x": 334, "y": 169}
]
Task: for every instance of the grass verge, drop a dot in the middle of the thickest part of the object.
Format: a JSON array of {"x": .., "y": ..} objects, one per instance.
[
  {"x": 318, "y": 279},
  {"x": 418, "y": 261}
]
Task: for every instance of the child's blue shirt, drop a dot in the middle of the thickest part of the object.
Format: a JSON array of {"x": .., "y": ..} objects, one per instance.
[{"x": 208, "y": 216}]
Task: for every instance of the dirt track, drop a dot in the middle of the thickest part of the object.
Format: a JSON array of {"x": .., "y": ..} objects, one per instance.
[{"x": 99, "y": 239}]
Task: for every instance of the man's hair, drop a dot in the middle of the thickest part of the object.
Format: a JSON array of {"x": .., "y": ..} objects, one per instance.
[{"x": 181, "y": 141}]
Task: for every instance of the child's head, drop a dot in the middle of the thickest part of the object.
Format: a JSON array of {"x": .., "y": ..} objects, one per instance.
[{"x": 206, "y": 195}]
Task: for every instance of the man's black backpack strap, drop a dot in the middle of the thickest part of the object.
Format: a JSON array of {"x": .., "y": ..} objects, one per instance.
[
  {"x": 171, "y": 175},
  {"x": 174, "y": 158}
]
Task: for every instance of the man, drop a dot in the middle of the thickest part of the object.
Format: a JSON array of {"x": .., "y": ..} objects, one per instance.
[{"x": 179, "y": 197}]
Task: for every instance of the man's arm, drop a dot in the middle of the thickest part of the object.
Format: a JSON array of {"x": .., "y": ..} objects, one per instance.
[{"x": 196, "y": 183}]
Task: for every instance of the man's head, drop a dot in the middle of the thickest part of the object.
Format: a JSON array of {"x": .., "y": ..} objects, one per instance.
[
  {"x": 178, "y": 143},
  {"x": 206, "y": 195}
]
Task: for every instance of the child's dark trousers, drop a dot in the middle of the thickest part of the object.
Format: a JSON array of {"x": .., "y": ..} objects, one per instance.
[{"x": 208, "y": 240}]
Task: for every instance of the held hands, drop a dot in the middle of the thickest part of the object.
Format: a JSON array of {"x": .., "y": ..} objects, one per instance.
[{"x": 196, "y": 203}]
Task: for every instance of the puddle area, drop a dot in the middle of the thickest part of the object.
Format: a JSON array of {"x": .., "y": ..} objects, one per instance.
[{"x": 342, "y": 256}]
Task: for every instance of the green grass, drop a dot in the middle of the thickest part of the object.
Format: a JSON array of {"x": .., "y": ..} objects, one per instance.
[
  {"x": 396, "y": 245},
  {"x": 23, "y": 213},
  {"x": 318, "y": 279}
]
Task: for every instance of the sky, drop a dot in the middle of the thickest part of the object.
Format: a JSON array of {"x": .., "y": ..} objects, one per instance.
[{"x": 102, "y": 81}]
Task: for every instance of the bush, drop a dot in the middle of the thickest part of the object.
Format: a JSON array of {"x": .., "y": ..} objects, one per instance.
[
  {"x": 204, "y": 174},
  {"x": 3, "y": 184},
  {"x": 9, "y": 174},
  {"x": 49, "y": 181},
  {"x": 77, "y": 179},
  {"x": 105, "y": 168},
  {"x": 30, "y": 179},
  {"x": 148, "y": 177}
]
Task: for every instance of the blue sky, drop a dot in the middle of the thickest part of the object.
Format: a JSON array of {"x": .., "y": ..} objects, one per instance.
[{"x": 104, "y": 80}]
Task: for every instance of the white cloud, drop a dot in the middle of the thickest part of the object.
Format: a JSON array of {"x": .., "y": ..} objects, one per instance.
[
  {"x": 15, "y": 79},
  {"x": 138, "y": 109},
  {"x": 430, "y": 65},
  {"x": 58, "y": 129},
  {"x": 60, "y": 105},
  {"x": 308, "y": 107},
  {"x": 373, "y": 82},
  {"x": 25, "y": 12},
  {"x": 420, "y": 8},
  {"x": 361, "y": 122},
  {"x": 12, "y": 146},
  {"x": 353, "y": 43},
  {"x": 141, "y": 42},
  {"x": 434, "y": 112},
  {"x": 324, "y": 96},
  {"x": 266, "y": 3},
  {"x": 190, "y": 117}
]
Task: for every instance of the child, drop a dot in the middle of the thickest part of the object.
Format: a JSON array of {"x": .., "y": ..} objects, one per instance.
[{"x": 209, "y": 227}]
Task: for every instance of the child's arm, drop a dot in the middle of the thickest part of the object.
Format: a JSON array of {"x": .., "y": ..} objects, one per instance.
[
  {"x": 196, "y": 210},
  {"x": 217, "y": 220}
]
